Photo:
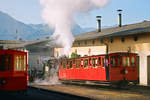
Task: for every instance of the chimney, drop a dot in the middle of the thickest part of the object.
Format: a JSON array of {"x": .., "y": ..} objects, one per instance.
[
  {"x": 98, "y": 23},
  {"x": 119, "y": 17}
]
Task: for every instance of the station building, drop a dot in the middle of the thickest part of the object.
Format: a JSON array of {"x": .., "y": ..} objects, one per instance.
[{"x": 133, "y": 38}]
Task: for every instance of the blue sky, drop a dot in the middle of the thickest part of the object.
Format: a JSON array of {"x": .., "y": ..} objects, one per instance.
[{"x": 28, "y": 11}]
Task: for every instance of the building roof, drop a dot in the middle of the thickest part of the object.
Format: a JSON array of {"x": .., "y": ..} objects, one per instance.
[
  {"x": 138, "y": 28},
  {"x": 22, "y": 44},
  {"x": 16, "y": 44},
  {"x": 11, "y": 42}
]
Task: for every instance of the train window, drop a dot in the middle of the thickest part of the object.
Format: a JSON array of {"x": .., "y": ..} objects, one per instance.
[
  {"x": 5, "y": 62},
  {"x": 85, "y": 63},
  {"x": 132, "y": 61},
  {"x": 20, "y": 63},
  {"x": 113, "y": 61},
  {"x": 90, "y": 62},
  {"x": 77, "y": 63},
  {"x": 103, "y": 62},
  {"x": 94, "y": 62},
  {"x": 64, "y": 65},
  {"x": 60, "y": 64},
  {"x": 8, "y": 62},
  {"x": 99, "y": 61},
  {"x": 70, "y": 64},
  {"x": 81, "y": 63},
  {"x": 24, "y": 62},
  {"x": 16, "y": 63},
  {"x": 73, "y": 63},
  {"x": 126, "y": 61}
]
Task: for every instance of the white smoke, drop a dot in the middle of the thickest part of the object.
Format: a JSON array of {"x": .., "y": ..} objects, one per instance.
[
  {"x": 51, "y": 79},
  {"x": 58, "y": 14}
]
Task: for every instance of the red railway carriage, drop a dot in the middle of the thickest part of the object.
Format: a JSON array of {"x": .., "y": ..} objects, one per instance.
[
  {"x": 113, "y": 67},
  {"x": 13, "y": 70}
]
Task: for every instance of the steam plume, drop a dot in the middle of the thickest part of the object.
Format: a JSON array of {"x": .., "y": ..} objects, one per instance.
[{"x": 58, "y": 14}]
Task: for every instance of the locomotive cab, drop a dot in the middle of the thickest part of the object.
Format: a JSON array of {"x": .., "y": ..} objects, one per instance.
[{"x": 123, "y": 67}]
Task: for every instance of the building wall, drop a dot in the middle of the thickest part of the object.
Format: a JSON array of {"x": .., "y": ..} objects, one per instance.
[
  {"x": 148, "y": 61},
  {"x": 36, "y": 56},
  {"x": 88, "y": 51},
  {"x": 83, "y": 51},
  {"x": 34, "y": 62},
  {"x": 130, "y": 44}
]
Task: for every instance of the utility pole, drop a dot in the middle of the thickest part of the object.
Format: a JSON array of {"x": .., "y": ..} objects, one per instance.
[{"x": 106, "y": 44}]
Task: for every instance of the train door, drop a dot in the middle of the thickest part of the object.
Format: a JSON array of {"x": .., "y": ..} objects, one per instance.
[
  {"x": 138, "y": 65},
  {"x": 148, "y": 69},
  {"x": 129, "y": 66},
  {"x": 116, "y": 67}
]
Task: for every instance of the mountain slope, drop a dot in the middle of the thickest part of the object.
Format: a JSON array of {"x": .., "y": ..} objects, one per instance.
[{"x": 9, "y": 25}]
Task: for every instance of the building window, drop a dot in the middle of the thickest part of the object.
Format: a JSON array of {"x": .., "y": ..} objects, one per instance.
[
  {"x": 79, "y": 43},
  {"x": 111, "y": 40},
  {"x": 101, "y": 40},
  {"x": 135, "y": 38},
  {"x": 1, "y": 47},
  {"x": 93, "y": 42},
  {"x": 85, "y": 42},
  {"x": 57, "y": 54},
  {"x": 74, "y": 44},
  {"x": 122, "y": 39},
  {"x": 76, "y": 51},
  {"x": 89, "y": 52}
]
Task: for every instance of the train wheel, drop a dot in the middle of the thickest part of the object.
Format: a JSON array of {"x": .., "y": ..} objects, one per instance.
[
  {"x": 120, "y": 85},
  {"x": 124, "y": 84}
]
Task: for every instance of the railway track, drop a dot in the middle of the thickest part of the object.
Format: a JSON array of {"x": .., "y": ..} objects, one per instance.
[
  {"x": 131, "y": 88},
  {"x": 98, "y": 92},
  {"x": 97, "y": 85}
]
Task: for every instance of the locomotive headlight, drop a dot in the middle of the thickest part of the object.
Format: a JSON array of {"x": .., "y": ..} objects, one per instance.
[{"x": 3, "y": 81}]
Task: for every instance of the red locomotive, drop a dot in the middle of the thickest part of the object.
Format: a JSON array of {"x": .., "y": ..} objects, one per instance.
[
  {"x": 13, "y": 70},
  {"x": 110, "y": 68}
]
